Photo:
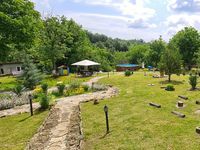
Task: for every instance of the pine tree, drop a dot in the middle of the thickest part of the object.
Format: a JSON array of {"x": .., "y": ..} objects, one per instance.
[{"x": 31, "y": 75}]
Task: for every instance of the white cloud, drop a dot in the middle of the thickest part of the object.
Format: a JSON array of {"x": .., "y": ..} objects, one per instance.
[
  {"x": 132, "y": 8},
  {"x": 189, "y": 6},
  {"x": 114, "y": 26},
  {"x": 178, "y": 22}
]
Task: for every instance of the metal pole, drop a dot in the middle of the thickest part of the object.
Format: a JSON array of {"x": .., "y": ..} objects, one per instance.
[
  {"x": 107, "y": 123},
  {"x": 31, "y": 104}
]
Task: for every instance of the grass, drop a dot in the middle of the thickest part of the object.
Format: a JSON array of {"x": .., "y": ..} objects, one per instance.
[
  {"x": 64, "y": 79},
  {"x": 136, "y": 125},
  {"x": 15, "y": 131},
  {"x": 7, "y": 83}
]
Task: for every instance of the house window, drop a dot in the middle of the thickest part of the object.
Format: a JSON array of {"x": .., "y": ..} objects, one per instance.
[
  {"x": 2, "y": 71},
  {"x": 18, "y": 68}
]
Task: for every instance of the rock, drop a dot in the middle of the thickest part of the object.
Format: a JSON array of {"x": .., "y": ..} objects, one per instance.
[{"x": 96, "y": 101}]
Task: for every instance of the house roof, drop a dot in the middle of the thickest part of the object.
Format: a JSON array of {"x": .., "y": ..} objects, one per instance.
[
  {"x": 6, "y": 63},
  {"x": 85, "y": 63}
]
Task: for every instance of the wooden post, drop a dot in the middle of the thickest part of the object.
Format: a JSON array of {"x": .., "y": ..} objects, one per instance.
[
  {"x": 180, "y": 104},
  {"x": 178, "y": 114},
  {"x": 92, "y": 86},
  {"x": 155, "y": 105},
  {"x": 183, "y": 97}
]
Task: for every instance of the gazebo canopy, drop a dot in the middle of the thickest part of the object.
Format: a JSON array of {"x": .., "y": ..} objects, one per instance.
[{"x": 86, "y": 63}]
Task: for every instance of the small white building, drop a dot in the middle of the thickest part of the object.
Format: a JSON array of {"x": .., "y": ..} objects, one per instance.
[{"x": 12, "y": 68}]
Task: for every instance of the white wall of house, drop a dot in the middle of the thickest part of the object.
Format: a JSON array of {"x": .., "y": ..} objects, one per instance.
[{"x": 11, "y": 69}]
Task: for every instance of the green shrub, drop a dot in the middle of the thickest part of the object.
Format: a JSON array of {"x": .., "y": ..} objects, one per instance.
[
  {"x": 74, "y": 85},
  {"x": 18, "y": 90},
  {"x": 127, "y": 73},
  {"x": 170, "y": 87},
  {"x": 61, "y": 88},
  {"x": 44, "y": 102},
  {"x": 193, "y": 81},
  {"x": 99, "y": 87},
  {"x": 44, "y": 88},
  {"x": 85, "y": 87}
]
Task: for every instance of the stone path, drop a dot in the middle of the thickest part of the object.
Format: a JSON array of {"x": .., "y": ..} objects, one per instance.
[
  {"x": 18, "y": 110},
  {"x": 61, "y": 129}
]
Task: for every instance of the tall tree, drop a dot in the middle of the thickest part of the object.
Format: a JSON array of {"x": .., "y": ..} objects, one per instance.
[
  {"x": 19, "y": 26},
  {"x": 54, "y": 39},
  {"x": 188, "y": 43},
  {"x": 138, "y": 53},
  {"x": 156, "y": 49},
  {"x": 170, "y": 61}
]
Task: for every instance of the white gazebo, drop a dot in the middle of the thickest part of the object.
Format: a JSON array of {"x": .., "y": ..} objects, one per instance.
[{"x": 85, "y": 67}]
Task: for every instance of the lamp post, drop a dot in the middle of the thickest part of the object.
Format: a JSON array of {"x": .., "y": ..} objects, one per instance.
[
  {"x": 106, "y": 113},
  {"x": 31, "y": 105}
]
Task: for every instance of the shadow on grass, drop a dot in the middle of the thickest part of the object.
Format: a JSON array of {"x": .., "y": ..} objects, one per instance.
[
  {"x": 172, "y": 82},
  {"x": 102, "y": 137},
  {"x": 25, "y": 119},
  {"x": 35, "y": 113}
]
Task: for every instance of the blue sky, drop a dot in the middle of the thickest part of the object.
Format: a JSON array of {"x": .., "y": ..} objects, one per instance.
[{"x": 127, "y": 19}]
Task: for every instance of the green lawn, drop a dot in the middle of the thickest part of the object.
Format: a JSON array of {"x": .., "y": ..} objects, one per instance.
[
  {"x": 9, "y": 82},
  {"x": 136, "y": 125},
  {"x": 16, "y": 130}
]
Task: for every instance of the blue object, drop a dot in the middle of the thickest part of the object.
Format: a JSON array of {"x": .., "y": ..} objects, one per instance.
[
  {"x": 150, "y": 67},
  {"x": 68, "y": 71},
  {"x": 127, "y": 65}
]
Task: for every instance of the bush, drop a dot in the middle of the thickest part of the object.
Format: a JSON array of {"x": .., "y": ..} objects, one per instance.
[
  {"x": 127, "y": 73},
  {"x": 74, "y": 85},
  {"x": 193, "y": 81},
  {"x": 44, "y": 88},
  {"x": 61, "y": 88},
  {"x": 18, "y": 90},
  {"x": 85, "y": 87},
  {"x": 99, "y": 87},
  {"x": 44, "y": 102},
  {"x": 170, "y": 87}
]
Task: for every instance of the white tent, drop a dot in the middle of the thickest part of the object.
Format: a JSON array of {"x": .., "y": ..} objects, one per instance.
[{"x": 86, "y": 63}]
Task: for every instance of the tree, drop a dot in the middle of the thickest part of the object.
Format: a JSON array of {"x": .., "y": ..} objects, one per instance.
[
  {"x": 188, "y": 43},
  {"x": 170, "y": 61},
  {"x": 138, "y": 53},
  {"x": 31, "y": 75},
  {"x": 19, "y": 26},
  {"x": 156, "y": 49},
  {"x": 54, "y": 39}
]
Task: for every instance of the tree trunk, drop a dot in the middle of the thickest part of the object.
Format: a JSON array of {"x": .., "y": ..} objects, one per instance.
[{"x": 169, "y": 77}]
